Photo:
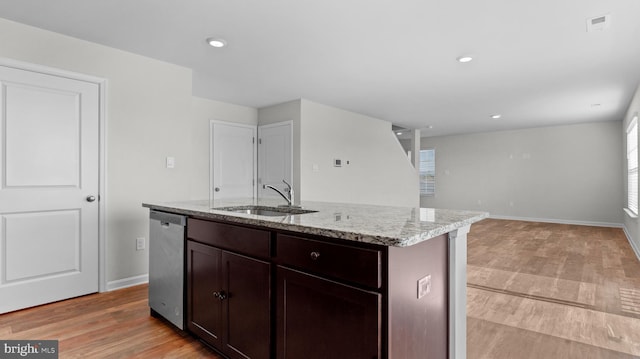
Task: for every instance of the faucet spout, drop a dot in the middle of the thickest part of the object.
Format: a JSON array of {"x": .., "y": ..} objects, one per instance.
[{"x": 289, "y": 201}]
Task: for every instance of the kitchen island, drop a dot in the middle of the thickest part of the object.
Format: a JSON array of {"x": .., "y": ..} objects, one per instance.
[{"x": 342, "y": 281}]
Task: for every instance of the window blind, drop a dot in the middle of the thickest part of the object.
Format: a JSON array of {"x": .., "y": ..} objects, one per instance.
[
  {"x": 632, "y": 166},
  {"x": 427, "y": 171}
]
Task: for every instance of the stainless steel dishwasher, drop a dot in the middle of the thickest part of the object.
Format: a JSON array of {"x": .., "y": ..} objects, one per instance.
[{"x": 166, "y": 266}]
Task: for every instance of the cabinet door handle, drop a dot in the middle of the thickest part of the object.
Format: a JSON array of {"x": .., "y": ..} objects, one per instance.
[
  {"x": 221, "y": 295},
  {"x": 315, "y": 256}
]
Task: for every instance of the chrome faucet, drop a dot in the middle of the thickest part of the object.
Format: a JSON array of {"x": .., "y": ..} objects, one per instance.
[{"x": 290, "y": 199}]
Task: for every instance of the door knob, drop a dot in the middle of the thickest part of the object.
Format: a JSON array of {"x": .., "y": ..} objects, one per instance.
[
  {"x": 91, "y": 198},
  {"x": 217, "y": 189}
]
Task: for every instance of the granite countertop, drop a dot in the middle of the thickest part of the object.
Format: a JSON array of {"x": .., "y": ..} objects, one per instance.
[{"x": 382, "y": 225}]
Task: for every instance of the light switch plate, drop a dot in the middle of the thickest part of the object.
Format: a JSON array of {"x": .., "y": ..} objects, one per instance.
[
  {"x": 424, "y": 286},
  {"x": 171, "y": 162}
]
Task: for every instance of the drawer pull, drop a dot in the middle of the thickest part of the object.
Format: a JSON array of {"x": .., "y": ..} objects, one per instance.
[{"x": 315, "y": 256}]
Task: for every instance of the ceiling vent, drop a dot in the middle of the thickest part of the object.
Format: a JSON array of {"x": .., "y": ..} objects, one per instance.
[{"x": 599, "y": 23}]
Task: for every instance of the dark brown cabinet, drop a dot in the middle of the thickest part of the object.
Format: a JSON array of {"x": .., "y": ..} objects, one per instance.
[
  {"x": 229, "y": 301},
  {"x": 329, "y": 303},
  {"x": 247, "y": 310},
  {"x": 261, "y": 293},
  {"x": 204, "y": 311},
  {"x": 319, "y": 318}
]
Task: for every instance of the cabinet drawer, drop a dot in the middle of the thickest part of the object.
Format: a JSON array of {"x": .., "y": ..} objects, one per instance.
[
  {"x": 357, "y": 265},
  {"x": 254, "y": 242}
]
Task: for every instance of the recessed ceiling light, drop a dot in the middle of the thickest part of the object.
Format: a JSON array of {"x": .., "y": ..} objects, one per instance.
[
  {"x": 216, "y": 42},
  {"x": 496, "y": 116},
  {"x": 464, "y": 59},
  {"x": 398, "y": 133},
  {"x": 430, "y": 126}
]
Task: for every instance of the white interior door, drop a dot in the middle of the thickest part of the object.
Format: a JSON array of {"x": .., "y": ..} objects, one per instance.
[
  {"x": 275, "y": 159},
  {"x": 233, "y": 157},
  {"x": 49, "y": 168}
]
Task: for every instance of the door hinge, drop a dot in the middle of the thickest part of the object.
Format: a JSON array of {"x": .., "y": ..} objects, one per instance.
[
  {"x": 260, "y": 141},
  {"x": 253, "y": 140}
]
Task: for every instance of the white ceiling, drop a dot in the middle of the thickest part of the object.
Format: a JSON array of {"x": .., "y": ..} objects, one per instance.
[{"x": 534, "y": 61}]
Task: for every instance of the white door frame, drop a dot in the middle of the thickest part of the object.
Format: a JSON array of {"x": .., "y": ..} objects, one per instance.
[
  {"x": 255, "y": 155},
  {"x": 102, "y": 178}
]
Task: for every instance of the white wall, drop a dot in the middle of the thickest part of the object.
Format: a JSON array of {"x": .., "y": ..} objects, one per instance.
[
  {"x": 564, "y": 173},
  {"x": 378, "y": 172},
  {"x": 631, "y": 224},
  {"x": 149, "y": 117}
]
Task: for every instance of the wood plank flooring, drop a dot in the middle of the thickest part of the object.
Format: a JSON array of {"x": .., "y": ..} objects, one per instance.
[
  {"x": 107, "y": 325},
  {"x": 539, "y": 290},
  {"x": 535, "y": 290}
]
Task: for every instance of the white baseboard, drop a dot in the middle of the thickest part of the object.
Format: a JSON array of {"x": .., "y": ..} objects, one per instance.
[
  {"x": 559, "y": 221},
  {"x": 127, "y": 282},
  {"x": 635, "y": 248}
]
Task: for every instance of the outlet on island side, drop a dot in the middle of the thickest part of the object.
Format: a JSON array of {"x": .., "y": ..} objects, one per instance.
[
  {"x": 140, "y": 244},
  {"x": 424, "y": 286}
]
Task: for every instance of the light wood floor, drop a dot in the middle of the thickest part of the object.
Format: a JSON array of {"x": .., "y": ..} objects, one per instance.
[
  {"x": 535, "y": 290},
  {"x": 539, "y": 290}
]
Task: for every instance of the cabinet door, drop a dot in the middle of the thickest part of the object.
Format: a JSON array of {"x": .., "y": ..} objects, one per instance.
[
  {"x": 247, "y": 310},
  {"x": 319, "y": 319},
  {"x": 203, "y": 279}
]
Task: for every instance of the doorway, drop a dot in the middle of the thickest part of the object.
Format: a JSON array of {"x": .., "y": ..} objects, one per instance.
[
  {"x": 51, "y": 168},
  {"x": 275, "y": 157},
  {"x": 233, "y": 160}
]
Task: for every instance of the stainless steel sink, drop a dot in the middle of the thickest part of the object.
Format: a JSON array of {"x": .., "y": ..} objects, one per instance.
[
  {"x": 265, "y": 210},
  {"x": 259, "y": 212}
]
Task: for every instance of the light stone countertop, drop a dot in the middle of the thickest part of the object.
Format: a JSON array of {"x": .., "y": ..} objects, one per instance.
[{"x": 382, "y": 225}]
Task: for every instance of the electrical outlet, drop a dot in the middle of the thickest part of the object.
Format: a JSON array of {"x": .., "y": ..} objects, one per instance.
[
  {"x": 140, "y": 244},
  {"x": 424, "y": 286}
]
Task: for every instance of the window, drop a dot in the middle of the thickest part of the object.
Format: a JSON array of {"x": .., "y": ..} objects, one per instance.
[
  {"x": 427, "y": 172},
  {"x": 632, "y": 165}
]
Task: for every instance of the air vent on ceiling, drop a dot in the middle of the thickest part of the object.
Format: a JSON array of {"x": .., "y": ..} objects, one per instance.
[{"x": 599, "y": 23}]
